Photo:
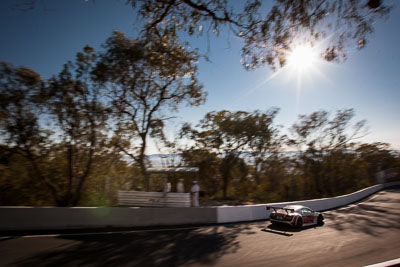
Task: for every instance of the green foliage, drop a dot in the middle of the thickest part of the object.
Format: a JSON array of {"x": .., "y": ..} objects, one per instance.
[
  {"x": 282, "y": 176},
  {"x": 208, "y": 164},
  {"x": 17, "y": 186},
  {"x": 55, "y": 125},
  {"x": 229, "y": 134},
  {"x": 109, "y": 175}
]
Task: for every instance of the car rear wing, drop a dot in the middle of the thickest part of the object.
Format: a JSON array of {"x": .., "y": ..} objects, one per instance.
[{"x": 279, "y": 208}]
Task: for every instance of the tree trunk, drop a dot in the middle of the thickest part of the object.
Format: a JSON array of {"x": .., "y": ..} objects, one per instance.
[
  {"x": 70, "y": 171},
  {"x": 54, "y": 189},
  {"x": 226, "y": 167},
  {"x": 145, "y": 175},
  {"x": 225, "y": 180},
  {"x": 257, "y": 163},
  {"x": 142, "y": 164}
]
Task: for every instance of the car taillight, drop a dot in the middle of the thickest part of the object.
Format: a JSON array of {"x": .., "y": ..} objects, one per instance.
[
  {"x": 273, "y": 215},
  {"x": 288, "y": 217}
]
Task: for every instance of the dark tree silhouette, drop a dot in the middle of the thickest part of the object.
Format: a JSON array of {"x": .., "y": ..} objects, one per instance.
[
  {"x": 56, "y": 125},
  {"x": 269, "y": 32},
  {"x": 146, "y": 78}
]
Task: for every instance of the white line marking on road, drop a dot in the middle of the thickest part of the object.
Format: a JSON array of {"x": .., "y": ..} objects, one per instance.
[{"x": 386, "y": 263}]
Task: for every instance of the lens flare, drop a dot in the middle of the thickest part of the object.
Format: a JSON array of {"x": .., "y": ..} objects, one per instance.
[{"x": 302, "y": 58}]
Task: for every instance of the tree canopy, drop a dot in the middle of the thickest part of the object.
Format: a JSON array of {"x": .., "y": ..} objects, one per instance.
[
  {"x": 230, "y": 134},
  {"x": 269, "y": 32},
  {"x": 55, "y": 125}
]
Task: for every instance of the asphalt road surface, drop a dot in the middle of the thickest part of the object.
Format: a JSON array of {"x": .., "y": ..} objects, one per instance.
[{"x": 360, "y": 234}]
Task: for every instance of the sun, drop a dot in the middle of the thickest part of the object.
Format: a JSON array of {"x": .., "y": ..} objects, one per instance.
[
  {"x": 302, "y": 58},
  {"x": 303, "y": 62}
]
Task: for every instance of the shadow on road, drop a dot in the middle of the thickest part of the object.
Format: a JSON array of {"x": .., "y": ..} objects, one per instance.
[
  {"x": 367, "y": 217},
  {"x": 203, "y": 246},
  {"x": 277, "y": 232},
  {"x": 286, "y": 230},
  {"x": 6, "y": 238}
]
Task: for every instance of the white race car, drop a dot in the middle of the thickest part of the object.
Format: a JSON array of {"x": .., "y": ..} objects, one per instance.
[{"x": 295, "y": 216}]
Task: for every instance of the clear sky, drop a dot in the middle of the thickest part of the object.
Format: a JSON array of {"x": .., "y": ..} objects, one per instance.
[{"x": 369, "y": 81}]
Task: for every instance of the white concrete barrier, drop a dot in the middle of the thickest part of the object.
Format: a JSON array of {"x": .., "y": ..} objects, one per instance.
[
  {"x": 258, "y": 212},
  {"x": 46, "y": 218}
]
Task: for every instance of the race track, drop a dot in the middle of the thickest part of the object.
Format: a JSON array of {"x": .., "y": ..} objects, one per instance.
[{"x": 360, "y": 234}]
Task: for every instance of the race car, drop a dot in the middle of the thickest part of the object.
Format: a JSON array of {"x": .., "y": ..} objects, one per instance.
[{"x": 295, "y": 216}]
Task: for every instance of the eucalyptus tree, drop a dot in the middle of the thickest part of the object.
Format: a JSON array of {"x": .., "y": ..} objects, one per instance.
[
  {"x": 325, "y": 146},
  {"x": 317, "y": 132},
  {"x": 266, "y": 141},
  {"x": 208, "y": 164},
  {"x": 56, "y": 124},
  {"x": 230, "y": 134},
  {"x": 270, "y": 30},
  {"x": 78, "y": 117},
  {"x": 378, "y": 157},
  {"x": 148, "y": 79},
  {"x": 20, "y": 109}
]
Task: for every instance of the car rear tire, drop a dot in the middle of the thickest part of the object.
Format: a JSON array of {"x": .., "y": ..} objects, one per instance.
[
  {"x": 320, "y": 220},
  {"x": 299, "y": 222}
]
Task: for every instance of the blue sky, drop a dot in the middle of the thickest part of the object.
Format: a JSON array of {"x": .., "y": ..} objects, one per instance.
[{"x": 369, "y": 81}]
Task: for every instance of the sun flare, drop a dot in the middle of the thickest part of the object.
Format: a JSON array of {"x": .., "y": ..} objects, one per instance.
[{"x": 302, "y": 58}]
